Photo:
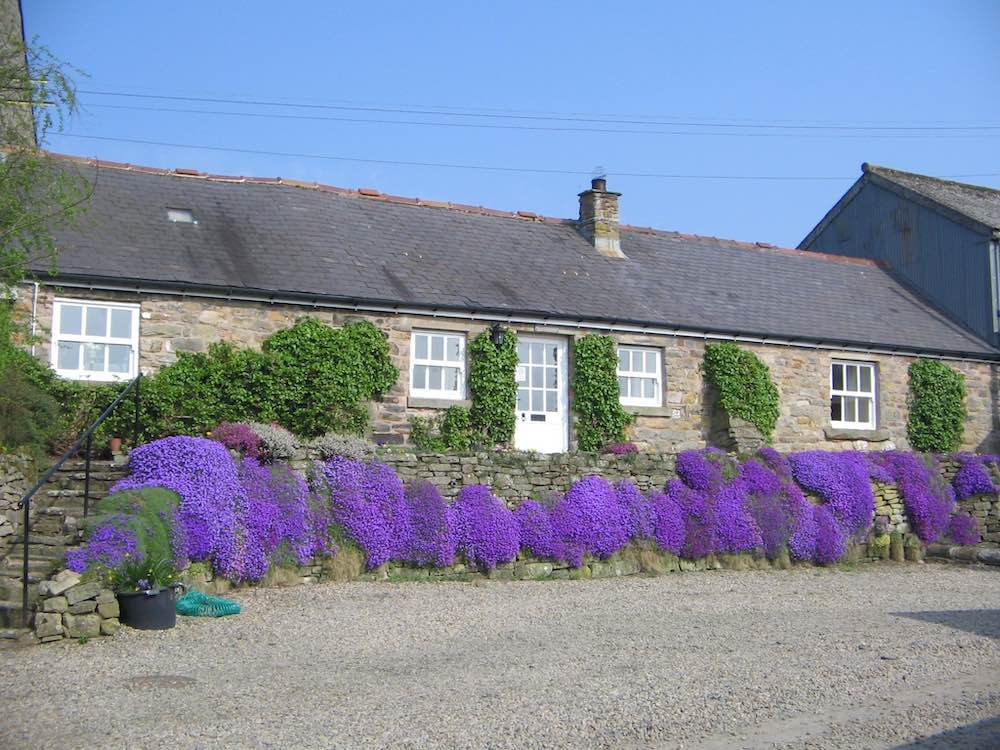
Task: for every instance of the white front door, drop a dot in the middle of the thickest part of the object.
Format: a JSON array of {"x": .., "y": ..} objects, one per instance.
[{"x": 542, "y": 395}]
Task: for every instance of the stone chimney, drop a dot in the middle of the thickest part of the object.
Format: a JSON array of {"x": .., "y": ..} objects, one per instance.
[{"x": 599, "y": 218}]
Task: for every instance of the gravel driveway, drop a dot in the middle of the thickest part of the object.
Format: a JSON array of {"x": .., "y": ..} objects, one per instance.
[{"x": 874, "y": 658}]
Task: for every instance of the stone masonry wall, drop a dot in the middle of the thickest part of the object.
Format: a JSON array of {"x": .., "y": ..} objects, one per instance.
[
  {"x": 170, "y": 324},
  {"x": 14, "y": 472}
]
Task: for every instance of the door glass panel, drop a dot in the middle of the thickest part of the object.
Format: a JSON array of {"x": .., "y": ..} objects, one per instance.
[
  {"x": 68, "y": 357},
  {"x": 536, "y": 401},
  {"x": 550, "y": 401},
  {"x": 522, "y": 351},
  {"x": 70, "y": 320},
  {"x": 838, "y": 377},
  {"x": 551, "y": 377},
  {"x": 437, "y": 347},
  {"x": 97, "y": 322},
  {"x": 536, "y": 376},
  {"x": 836, "y": 409},
  {"x": 550, "y": 354},
  {"x": 121, "y": 324},
  {"x": 434, "y": 378},
  {"x": 863, "y": 414},
  {"x": 866, "y": 379},
  {"x": 420, "y": 376},
  {"x": 522, "y": 399},
  {"x": 537, "y": 352},
  {"x": 118, "y": 357},
  {"x": 852, "y": 378},
  {"x": 454, "y": 349},
  {"x": 420, "y": 346},
  {"x": 93, "y": 356}
]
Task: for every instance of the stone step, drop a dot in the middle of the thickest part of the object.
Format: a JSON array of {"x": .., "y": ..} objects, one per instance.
[
  {"x": 43, "y": 540},
  {"x": 51, "y": 555},
  {"x": 35, "y": 573}
]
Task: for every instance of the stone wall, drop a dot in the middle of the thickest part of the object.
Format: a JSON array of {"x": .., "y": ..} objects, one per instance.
[
  {"x": 170, "y": 324},
  {"x": 69, "y": 608},
  {"x": 14, "y": 482}
]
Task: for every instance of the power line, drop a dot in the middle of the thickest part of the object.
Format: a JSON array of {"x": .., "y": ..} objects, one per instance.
[
  {"x": 559, "y": 117},
  {"x": 479, "y": 167},
  {"x": 559, "y": 129}
]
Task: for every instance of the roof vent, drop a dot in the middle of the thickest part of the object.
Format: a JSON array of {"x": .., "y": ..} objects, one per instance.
[{"x": 180, "y": 216}]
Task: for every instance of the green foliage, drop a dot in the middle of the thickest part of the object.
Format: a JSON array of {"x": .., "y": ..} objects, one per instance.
[
  {"x": 493, "y": 387},
  {"x": 937, "y": 407},
  {"x": 323, "y": 377},
  {"x": 143, "y": 574},
  {"x": 600, "y": 417},
  {"x": 744, "y": 385},
  {"x": 309, "y": 378},
  {"x": 150, "y": 513},
  {"x": 452, "y": 432}
]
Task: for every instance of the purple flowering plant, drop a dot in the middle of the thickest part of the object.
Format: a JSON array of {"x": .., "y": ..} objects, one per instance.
[{"x": 488, "y": 533}]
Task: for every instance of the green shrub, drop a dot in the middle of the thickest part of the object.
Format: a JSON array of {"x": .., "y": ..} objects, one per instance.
[
  {"x": 149, "y": 513},
  {"x": 937, "y": 407},
  {"x": 601, "y": 420},
  {"x": 744, "y": 385},
  {"x": 493, "y": 387},
  {"x": 450, "y": 432}
]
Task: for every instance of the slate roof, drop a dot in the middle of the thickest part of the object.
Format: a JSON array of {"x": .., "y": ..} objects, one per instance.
[
  {"x": 281, "y": 237},
  {"x": 982, "y": 204}
]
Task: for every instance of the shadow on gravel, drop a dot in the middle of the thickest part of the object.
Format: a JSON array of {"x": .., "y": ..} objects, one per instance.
[
  {"x": 979, "y": 621},
  {"x": 983, "y": 735}
]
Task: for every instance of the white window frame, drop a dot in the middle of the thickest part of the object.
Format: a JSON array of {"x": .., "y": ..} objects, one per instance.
[
  {"x": 103, "y": 376},
  {"x": 871, "y": 396},
  {"x": 657, "y": 375},
  {"x": 428, "y": 361}
]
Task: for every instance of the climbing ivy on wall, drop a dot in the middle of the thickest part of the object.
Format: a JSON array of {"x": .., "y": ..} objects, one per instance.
[
  {"x": 744, "y": 385},
  {"x": 937, "y": 407},
  {"x": 601, "y": 420},
  {"x": 493, "y": 387}
]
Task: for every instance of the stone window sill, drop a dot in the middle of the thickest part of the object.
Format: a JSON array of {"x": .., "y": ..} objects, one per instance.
[
  {"x": 419, "y": 402},
  {"x": 650, "y": 411},
  {"x": 872, "y": 436}
]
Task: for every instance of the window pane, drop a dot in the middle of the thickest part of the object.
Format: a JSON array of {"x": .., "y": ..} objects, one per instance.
[
  {"x": 623, "y": 387},
  {"x": 536, "y": 401},
  {"x": 93, "y": 357},
  {"x": 551, "y": 377},
  {"x": 522, "y": 352},
  {"x": 866, "y": 379},
  {"x": 522, "y": 399},
  {"x": 838, "y": 377},
  {"x": 863, "y": 409},
  {"x": 454, "y": 349},
  {"x": 97, "y": 321},
  {"x": 651, "y": 362},
  {"x": 68, "y": 357},
  {"x": 434, "y": 378},
  {"x": 637, "y": 358},
  {"x": 837, "y": 409},
  {"x": 451, "y": 378},
  {"x": 118, "y": 357},
  {"x": 70, "y": 319},
  {"x": 850, "y": 409},
  {"x": 537, "y": 352},
  {"x": 623, "y": 359},
  {"x": 420, "y": 346},
  {"x": 121, "y": 324},
  {"x": 437, "y": 348},
  {"x": 537, "y": 373},
  {"x": 648, "y": 388},
  {"x": 420, "y": 376},
  {"x": 550, "y": 401},
  {"x": 852, "y": 377}
]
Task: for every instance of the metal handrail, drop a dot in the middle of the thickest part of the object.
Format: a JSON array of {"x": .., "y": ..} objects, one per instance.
[{"x": 86, "y": 437}]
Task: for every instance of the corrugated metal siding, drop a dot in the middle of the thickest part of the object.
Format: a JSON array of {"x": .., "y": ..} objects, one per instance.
[{"x": 947, "y": 262}]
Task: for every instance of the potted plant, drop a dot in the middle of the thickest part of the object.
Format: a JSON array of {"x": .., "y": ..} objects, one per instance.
[{"x": 147, "y": 593}]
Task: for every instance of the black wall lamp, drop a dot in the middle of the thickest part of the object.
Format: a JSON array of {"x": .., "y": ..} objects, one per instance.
[{"x": 496, "y": 335}]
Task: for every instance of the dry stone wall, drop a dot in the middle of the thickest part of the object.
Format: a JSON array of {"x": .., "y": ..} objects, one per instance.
[{"x": 14, "y": 482}]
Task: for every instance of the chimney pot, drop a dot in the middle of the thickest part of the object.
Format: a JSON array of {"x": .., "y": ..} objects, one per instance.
[{"x": 599, "y": 218}]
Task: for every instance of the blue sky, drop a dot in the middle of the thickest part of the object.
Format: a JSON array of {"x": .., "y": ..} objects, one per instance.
[{"x": 719, "y": 76}]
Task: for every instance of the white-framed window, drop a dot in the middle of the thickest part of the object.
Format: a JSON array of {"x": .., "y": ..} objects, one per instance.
[
  {"x": 437, "y": 365},
  {"x": 95, "y": 340},
  {"x": 852, "y": 394},
  {"x": 640, "y": 376}
]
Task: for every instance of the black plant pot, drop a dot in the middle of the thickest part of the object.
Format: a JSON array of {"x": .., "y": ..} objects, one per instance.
[{"x": 148, "y": 610}]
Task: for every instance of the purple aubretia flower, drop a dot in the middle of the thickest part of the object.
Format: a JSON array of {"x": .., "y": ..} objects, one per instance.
[
  {"x": 487, "y": 530},
  {"x": 434, "y": 538},
  {"x": 973, "y": 476},
  {"x": 589, "y": 520},
  {"x": 535, "y": 528}
]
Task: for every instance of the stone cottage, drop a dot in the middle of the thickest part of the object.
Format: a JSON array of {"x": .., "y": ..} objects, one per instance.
[{"x": 170, "y": 261}]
